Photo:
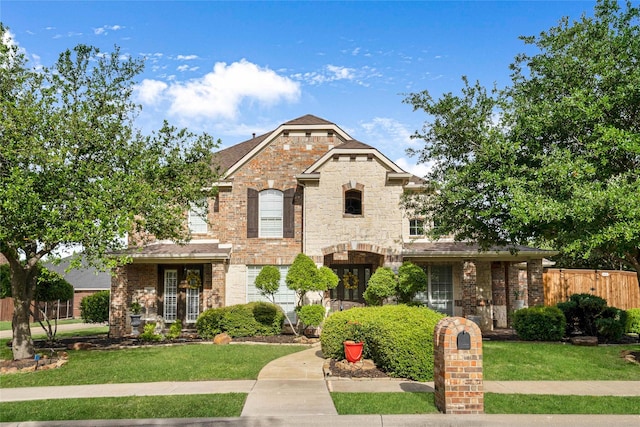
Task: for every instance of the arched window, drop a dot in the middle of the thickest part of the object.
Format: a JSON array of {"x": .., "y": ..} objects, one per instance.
[
  {"x": 353, "y": 202},
  {"x": 271, "y": 211}
]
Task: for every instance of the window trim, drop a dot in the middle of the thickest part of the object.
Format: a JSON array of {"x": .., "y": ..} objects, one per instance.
[
  {"x": 353, "y": 188},
  {"x": 419, "y": 226}
]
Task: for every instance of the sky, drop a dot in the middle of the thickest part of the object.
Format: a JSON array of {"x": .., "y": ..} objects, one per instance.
[{"x": 232, "y": 69}]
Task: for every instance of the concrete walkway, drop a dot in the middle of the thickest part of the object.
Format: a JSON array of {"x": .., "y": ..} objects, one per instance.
[{"x": 37, "y": 330}]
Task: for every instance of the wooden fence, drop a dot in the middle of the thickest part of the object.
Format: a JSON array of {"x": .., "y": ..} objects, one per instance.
[{"x": 619, "y": 288}]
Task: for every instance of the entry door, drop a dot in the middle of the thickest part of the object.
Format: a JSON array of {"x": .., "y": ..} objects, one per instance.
[
  {"x": 181, "y": 299},
  {"x": 353, "y": 282}
]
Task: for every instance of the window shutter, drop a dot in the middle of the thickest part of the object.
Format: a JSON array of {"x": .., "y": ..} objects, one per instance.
[
  {"x": 216, "y": 203},
  {"x": 288, "y": 214},
  {"x": 252, "y": 212}
]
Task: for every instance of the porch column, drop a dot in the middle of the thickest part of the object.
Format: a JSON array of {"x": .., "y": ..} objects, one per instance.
[
  {"x": 499, "y": 293},
  {"x": 118, "y": 303},
  {"x": 535, "y": 286},
  {"x": 468, "y": 288},
  {"x": 484, "y": 295}
]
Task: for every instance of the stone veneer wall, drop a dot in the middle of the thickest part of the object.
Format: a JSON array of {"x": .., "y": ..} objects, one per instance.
[{"x": 379, "y": 226}]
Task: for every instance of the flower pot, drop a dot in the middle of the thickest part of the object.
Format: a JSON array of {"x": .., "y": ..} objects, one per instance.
[
  {"x": 353, "y": 351},
  {"x": 518, "y": 304}
]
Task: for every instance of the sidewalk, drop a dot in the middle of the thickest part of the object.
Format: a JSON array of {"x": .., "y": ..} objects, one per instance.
[
  {"x": 293, "y": 391},
  {"x": 37, "y": 330}
]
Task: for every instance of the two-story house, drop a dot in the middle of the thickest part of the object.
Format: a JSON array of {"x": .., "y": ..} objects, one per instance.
[{"x": 309, "y": 187}]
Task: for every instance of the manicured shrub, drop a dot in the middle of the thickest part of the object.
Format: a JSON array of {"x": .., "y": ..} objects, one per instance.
[
  {"x": 411, "y": 280},
  {"x": 174, "y": 330},
  {"x": 95, "y": 308},
  {"x": 539, "y": 323},
  {"x": 149, "y": 333},
  {"x": 398, "y": 338},
  {"x": 581, "y": 312},
  {"x": 633, "y": 321},
  {"x": 243, "y": 320},
  {"x": 311, "y": 315},
  {"x": 382, "y": 284},
  {"x": 611, "y": 324}
]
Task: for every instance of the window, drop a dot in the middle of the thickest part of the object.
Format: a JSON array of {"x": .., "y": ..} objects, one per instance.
[
  {"x": 193, "y": 296},
  {"x": 353, "y": 202},
  {"x": 285, "y": 297},
  {"x": 439, "y": 293},
  {"x": 270, "y": 203},
  {"x": 198, "y": 217},
  {"x": 416, "y": 227},
  {"x": 170, "y": 295}
]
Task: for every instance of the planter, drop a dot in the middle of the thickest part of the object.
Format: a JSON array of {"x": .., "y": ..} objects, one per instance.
[
  {"x": 135, "y": 322},
  {"x": 353, "y": 351},
  {"x": 518, "y": 304}
]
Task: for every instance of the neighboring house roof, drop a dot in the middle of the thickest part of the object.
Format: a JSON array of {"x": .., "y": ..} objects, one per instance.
[
  {"x": 461, "y": 249},
  {"x": 82, "y": 279},
  {"x": 168, "y": 252}
]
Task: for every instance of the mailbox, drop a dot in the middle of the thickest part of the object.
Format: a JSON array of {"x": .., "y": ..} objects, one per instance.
[{"x": 464, "y": 341}]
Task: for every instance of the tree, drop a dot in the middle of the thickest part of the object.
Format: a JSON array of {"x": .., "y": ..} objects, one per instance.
[
  {"x": 268, "y": 283},
  {"x": 74, "y": 170},
  {"x": 552, "y": 159},
  {"x": 411, "y": 280},
  {"x": 382, "y": 284},
  {"x": 51, "y": 288},
  {"x": 302, "y": 277}
]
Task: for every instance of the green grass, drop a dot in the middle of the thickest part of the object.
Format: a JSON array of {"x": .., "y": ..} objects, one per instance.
[
  {"x": 423, "y": 403},
  {"x": 189, "y": 406},
  {"x": 5, "y": 325},
  {"x": 197, "y": 362},
  {"x": 516, "y": 361}
]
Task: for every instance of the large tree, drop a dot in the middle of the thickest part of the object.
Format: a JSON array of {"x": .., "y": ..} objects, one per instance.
[
  {"x": 74, "y": 170},
  {"x": 553, "y": 158}
]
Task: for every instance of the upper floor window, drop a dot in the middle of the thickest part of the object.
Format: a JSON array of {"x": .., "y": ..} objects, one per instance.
[
  {"x": 353, "y": 202},
  {"x": 197, "y": 217},
  {"x": 416, "y": 227},
  {"x": 270, "y": 203}
]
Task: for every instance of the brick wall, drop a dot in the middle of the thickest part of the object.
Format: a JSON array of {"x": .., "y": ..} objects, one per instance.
[{"x": 535, "y": 286}]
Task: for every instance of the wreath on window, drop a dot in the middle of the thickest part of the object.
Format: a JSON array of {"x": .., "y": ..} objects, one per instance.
[
  {"x": 193, "y": 280},
  {"x": 350, "y": 280}
]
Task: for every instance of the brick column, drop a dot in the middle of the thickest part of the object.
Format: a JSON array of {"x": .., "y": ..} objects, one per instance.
[
  {"x": 468, "y": 288},
  {"x": 458, "y": 376},
  {"x": 499, "y": 293},
  {"x": 535, "y": 286},
  {"x": 484, "y": 295}
]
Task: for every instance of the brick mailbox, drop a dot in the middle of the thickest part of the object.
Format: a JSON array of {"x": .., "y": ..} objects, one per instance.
[{"x": 458, "y": 367}]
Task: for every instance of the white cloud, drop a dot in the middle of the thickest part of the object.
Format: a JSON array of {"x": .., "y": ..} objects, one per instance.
[
  {"x": 420, "y": 170},
  {"x": 219, "y": 93},
  {"x": 103, "y": 30},
  {"x": 186, "y": 57},
  {"x": 389, "y": 130},
  {"x": 150, "y": 91},
  {"x": 98, "y": 31}
]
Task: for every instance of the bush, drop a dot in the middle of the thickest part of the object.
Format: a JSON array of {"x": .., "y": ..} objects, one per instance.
[
  {"x": 175, "y": 330},
  {"x": 149, "y": 333},
  {"x": 611, "y": 324},
  {"x": 382, "y": 284},
  {"x": 539, "y": 323},
  {"x": 398, "y": 338},
  {"x": 581, "y": 313},
  {"x": 411, "y": 280},
  {"x": 633, "y": 321},
  {"x": 243, "y": 320},
  {"x": 95, "y": 308},
  {"x": 311, "y": 315}
]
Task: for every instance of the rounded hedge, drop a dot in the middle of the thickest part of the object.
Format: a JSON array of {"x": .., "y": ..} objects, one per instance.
[
  {"x": 633, "y": 321},
  {"x": 311, "y": 315},
  {"x": 398, "y": 338},
  {"x": 95, "y": 308},
  {"x": 243, "y": 320},
  {"x": 539, "y": 323}
]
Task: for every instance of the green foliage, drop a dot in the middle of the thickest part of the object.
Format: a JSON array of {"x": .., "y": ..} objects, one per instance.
[
  {"x": 242, "y": 320},
  {"x": 555, "y": 156},
  {"x": 411, "y": 280},
  {"x": 5, "y": 281},
  {"x": 52, "y": 287},
  {"x": 311, "y": 315},
  {"x": 398, "y": 338},
  {"x": 303, "y": 276},
  {"x": 149, "y": 333},
  {"x": 174, "y": 330},
  {"x": 581, "y": 312},
  {"x": 611, "y": 324},
  {"x": 633, "y": 321},
  {"x": 95, "y": 308},
  {"x": 327, "y": 278},
  {"x": 539, "y": 323},
  {"x": 382, "y": 284},
  {"x": 268, "y": 281},
  {"x": 75, "y": 169}
]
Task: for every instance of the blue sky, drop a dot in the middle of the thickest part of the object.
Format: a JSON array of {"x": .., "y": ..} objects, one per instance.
[{"x": 235, "y": 68}]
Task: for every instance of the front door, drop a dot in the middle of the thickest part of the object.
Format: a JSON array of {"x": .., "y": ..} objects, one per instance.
[
  {"x": 353, "y": 282},
  {"x": 180, "y": 294}
]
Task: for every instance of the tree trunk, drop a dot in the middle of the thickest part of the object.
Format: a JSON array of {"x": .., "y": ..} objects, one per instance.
[{"x": 22, "y": 290}]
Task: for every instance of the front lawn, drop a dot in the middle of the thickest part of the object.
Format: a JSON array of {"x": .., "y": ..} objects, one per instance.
[{"x": 196, "y": 362}]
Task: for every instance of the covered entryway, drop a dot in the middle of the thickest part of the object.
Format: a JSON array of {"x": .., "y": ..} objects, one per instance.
[{"x": 354, "y": 268}]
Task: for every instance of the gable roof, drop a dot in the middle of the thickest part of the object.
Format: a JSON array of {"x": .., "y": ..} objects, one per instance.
[
  {"x": 229, "y": 156},
  {"x": 308, "y": 119}
]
